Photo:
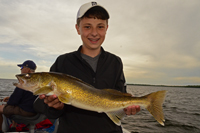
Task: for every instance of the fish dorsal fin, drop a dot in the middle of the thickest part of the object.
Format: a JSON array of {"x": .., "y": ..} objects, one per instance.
[
  {"x": 70, "y": 77},
  {"x": 79, "y": 80},
  {"x": 115, "y": 92},
  {"x": 116, "y": 116}
]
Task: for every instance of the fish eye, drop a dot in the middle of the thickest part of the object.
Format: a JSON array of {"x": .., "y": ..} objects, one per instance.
[{"x": 27, "y": 75}]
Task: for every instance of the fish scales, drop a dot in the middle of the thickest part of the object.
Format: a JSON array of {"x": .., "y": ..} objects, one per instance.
[{"x": 87, "y": 94}]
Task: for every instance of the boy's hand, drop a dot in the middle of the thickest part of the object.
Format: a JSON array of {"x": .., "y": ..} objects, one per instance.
[
  {"x": 52, "y": 101},
  {"x": 132, "y": 110}
]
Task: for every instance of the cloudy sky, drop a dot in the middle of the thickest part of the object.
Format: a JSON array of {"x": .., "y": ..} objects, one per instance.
[{"x": 157, "y": 40}]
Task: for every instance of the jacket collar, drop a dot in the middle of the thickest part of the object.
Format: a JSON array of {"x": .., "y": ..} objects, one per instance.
[{"x": 78, "y": 52}]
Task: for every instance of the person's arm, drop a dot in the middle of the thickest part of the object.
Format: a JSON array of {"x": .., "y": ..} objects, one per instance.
[
  {"x": 15, "y": 97},
  {"x": 52, "y": 111},
  {"x": 53, "y": 101},
  {"x": 53, "y": 108},
  {"x": 121, "y": 84},
  {"x": 133, "y": 109},
  {"x": 6, "y": 99}
]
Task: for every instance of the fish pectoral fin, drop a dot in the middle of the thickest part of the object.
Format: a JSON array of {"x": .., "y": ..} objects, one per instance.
[
  {"x": 43, "y": 90},
  {"x": 64, "y": 98},
  {"x": 53, "y": 85},
  {"x": 117, "y": 92},
  {"x": 116, "y": 116}
]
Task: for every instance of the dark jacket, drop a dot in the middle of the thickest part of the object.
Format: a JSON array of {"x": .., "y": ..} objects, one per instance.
[
  {"x": 109, "y": 74},
  {"x": 22, "y": 98}
]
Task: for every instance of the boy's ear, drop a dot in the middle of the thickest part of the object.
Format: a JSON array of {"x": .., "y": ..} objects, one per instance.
[
  {"x": 107, "y": 27},
  {"x": 77, "y": 29}
]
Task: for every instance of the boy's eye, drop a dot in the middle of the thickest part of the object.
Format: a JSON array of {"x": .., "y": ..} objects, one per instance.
[
  {"x": 87, "y": 27},
  {"x": 101, "y": 27}
]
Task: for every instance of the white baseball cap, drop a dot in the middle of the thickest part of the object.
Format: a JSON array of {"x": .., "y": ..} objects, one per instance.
[{"x": 85, "y": 7}]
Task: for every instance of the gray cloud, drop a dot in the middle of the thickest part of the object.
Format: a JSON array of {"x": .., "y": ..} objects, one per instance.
[{"x": 158, "y": 41}]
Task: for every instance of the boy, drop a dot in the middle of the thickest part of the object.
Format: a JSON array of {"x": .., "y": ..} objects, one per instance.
[{"x": 93, "y": 65}]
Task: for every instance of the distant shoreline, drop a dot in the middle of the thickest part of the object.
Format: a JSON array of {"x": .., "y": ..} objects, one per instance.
[{"x": 185, "y": 86}]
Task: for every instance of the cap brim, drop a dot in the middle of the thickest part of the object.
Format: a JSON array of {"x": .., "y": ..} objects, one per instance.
[{"x": 19, "y": 65}]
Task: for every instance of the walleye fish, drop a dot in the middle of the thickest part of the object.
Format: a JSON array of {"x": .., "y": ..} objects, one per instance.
[{"x": 75, "y": 92}]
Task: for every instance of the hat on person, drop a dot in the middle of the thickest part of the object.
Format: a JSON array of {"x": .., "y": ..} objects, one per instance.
[
  {"x": 29, "y": 63},
  {"x": 85, "y": 7}
]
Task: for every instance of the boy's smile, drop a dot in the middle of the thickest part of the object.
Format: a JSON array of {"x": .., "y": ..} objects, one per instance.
[{"x": 92, "y": 32}]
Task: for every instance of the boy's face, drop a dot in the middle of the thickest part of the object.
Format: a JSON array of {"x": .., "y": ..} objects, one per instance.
[{"x": 92, "y": 32}]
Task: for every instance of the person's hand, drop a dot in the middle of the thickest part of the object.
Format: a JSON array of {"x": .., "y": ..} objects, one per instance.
[
  {"x": 132, "y": 110},
  {"x": 6, "y": 99},
  {"x": 1, "y": 109},
  {"x": 52, "y": 101}
]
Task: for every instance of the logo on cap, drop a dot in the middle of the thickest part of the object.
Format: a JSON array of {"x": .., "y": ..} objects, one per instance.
[{"x": 94, "y": 3}]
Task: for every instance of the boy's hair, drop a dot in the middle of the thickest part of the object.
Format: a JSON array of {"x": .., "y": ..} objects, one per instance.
[{"x": 96, "y": 12}]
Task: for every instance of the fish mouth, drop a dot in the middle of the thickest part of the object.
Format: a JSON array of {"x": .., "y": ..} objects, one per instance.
[{"x": 20, "y": 81}]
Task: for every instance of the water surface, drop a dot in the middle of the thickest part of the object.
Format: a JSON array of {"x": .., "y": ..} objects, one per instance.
[{"x": 181, "y": 109}]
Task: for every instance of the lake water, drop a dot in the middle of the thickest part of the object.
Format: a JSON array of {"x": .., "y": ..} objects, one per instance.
[{"x": 181, "y": 109}]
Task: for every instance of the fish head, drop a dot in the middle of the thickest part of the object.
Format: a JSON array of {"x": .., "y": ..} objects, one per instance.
[{"x": 28, "y": 81}]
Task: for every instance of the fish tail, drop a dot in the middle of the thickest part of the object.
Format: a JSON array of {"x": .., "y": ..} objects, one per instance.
[{"x": 156, "y": 100}]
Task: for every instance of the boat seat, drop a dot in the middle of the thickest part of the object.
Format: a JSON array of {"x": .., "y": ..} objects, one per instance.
[{"x": 31, "y": 121}]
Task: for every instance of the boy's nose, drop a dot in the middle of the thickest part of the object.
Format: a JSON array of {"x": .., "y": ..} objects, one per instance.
[{"x": 94, "y": 32}]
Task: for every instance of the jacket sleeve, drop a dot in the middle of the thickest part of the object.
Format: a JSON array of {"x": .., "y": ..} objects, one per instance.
[
  {"x": 121, "y": 82},
  {"x": 41, "y": 107},
  {"x": 49, "y": 111},
  {"x": 15, "y": 97}
]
